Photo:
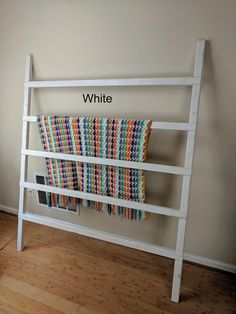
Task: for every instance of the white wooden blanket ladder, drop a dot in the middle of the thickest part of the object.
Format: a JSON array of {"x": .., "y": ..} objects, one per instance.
[{"x": 190, "y": 127}]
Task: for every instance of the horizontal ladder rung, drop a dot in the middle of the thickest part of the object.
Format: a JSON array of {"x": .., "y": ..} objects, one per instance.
[
  {"x": 178, "y": 126},
  {"x": 185, "y": 81},
  {"x": 104, "y": 199},
  {"x": 101, "y": 235},
  {"x": 110, "y": 162}
]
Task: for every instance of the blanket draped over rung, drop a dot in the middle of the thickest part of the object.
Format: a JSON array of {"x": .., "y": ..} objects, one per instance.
[{"x": 123, "y": 139}]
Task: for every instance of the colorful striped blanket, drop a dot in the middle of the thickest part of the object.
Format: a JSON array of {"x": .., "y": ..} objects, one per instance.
[{"x": 122, "y": 139}]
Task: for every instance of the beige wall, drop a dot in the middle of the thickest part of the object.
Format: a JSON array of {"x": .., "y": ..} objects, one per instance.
[{"x": 92, "y": 39}]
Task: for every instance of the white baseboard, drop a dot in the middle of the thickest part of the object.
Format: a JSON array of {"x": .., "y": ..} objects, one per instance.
[
  {"x": 187, "y": 257},
  {"x": 8, "y": 210},
  {"x": 210, "y": 262}
]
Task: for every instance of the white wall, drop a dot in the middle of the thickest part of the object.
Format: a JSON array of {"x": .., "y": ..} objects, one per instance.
[{"x": 91, "y": 39}]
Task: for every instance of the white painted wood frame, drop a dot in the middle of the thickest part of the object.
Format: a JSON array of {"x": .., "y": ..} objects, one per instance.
[{"x": 186, "y": 171}]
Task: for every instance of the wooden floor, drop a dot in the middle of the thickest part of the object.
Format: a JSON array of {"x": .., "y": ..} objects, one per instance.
[{"x": 60, "y": 272}]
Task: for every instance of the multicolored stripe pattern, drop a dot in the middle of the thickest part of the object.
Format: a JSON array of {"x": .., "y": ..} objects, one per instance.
[{"x": 123, "y": 139}]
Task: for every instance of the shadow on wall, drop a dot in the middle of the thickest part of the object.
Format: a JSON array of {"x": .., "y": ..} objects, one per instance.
[
  {"x": 222, "y": 142},
  {"x": 162, "y": 187}
]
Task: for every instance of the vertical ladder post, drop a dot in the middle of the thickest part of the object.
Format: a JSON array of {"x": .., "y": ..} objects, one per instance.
[
  {"x": 199, "y": 58},
  {"x": 24, "y": 158}
]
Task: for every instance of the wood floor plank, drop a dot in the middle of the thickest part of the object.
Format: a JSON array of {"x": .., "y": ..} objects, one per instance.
[
  {"x": 16, "y": 302},
  {"x": 61, "y": 272}
]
